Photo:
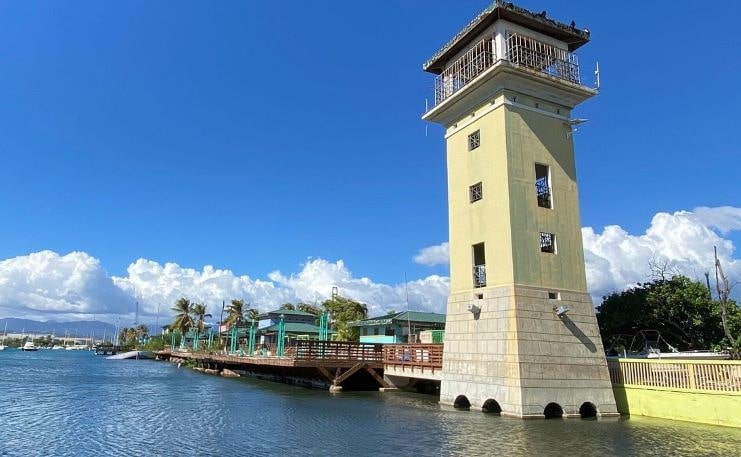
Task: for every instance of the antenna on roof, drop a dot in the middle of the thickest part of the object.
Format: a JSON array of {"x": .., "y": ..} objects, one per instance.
[
  {"x": 426, "y": 109},
  {"x": 596, "y": 75}
]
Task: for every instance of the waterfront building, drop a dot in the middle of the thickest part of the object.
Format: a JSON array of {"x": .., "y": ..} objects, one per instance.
[
  {"x": 396, "y": 327},
  {"x": 521, "y": 335},
  {"x": 298, "y": 325}
]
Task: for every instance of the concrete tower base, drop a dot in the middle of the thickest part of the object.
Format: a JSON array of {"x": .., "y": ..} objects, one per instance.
[{"x": 517, "y": 355}]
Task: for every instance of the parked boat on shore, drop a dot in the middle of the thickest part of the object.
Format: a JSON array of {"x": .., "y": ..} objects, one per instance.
[
  {"x": 131, "y": 355},
  {"x": 649, "y": 344}
]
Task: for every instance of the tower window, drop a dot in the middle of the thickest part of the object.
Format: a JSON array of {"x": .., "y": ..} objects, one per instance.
[
  {"x": 474, "y": 140},
  {"x": 547, "y": 242},
  {"x": 479, "y": 265},
  {"x": 475, "y": 192},
  {"x": 543, "y": 185}
]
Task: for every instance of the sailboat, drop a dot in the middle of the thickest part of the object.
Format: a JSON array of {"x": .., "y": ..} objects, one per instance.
[{"x": 5, "y": 335}]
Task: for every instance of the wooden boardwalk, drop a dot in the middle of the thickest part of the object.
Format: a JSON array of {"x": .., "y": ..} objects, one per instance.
[{"x": 330, "y": 364}]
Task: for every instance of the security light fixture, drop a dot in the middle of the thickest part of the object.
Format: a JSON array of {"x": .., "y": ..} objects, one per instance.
[{"x": 561, "y": 310}]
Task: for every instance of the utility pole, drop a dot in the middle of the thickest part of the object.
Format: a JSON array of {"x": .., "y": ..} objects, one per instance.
[{"x": 221, "y": 322}]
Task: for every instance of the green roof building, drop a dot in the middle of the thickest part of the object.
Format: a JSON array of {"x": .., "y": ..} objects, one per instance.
[{"x": 396, "y": 327}]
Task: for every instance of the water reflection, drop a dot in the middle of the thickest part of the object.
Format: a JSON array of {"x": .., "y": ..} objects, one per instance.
[{"x": 73, "y": 403}]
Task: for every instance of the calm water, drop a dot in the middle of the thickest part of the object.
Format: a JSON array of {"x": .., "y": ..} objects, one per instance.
[{"x": 57, "y": 403}]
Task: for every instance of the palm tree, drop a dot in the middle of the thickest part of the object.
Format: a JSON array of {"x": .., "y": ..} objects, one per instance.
[
  {"x": 183, "y": 319},
  {"x": 235, "y": 313},
  {"x": 199, "y": 312},
  {"x": 288, "y": 306},
  {"x": 142, "y": 331},
  {"x": 252, "y": 314}
]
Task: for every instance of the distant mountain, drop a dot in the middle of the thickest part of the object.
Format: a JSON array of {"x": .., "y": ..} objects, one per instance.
[{"x": 73, "y": 328}]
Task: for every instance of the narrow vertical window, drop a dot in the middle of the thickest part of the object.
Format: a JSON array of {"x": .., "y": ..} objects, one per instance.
[
  {"x": 543, "y": 185},
  {"x": 479, "y": 265},
  {"x": 474, "y": 140},
  {"x": 475, "y": 192},
  {"x": 547, "y": 242}
]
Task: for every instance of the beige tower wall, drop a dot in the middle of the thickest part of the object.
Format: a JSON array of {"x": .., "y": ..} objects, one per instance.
[
  {"x": 540, "y": 137},
  {"x": 517, "y": 351}
]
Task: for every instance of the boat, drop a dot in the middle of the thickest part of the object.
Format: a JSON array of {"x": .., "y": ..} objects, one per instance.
[
  {"x": 131, "y": 355},
  {"x": 76, "y": 347},
  {"x": 57, "y": 347},
  {"x": 649, "y": 344},
  {"x": 29, "y": 346}
]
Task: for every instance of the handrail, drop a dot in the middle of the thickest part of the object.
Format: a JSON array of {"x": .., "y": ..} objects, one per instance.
[
  {"x": 475, "y": 61},
  {"x": 519, "y": 50},
  {"x": 413, "y": 355},
  {"x": 706, "y": 375}
]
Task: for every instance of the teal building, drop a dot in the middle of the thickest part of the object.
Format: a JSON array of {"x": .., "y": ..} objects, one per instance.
[{"x": 396, "y": 327}]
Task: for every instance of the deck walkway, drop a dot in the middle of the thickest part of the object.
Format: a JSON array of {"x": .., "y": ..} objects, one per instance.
[{"x": 312, "y": 363}]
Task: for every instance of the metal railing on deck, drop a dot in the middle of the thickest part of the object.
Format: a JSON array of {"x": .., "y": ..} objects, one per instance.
[
  {"x": 531, "y": 53},
  {"x": 521, "y": 51},
  {"x": 719, "y": 376},
  {"x": 413, "y": 355},
  {"x": 471, "y": 64}
]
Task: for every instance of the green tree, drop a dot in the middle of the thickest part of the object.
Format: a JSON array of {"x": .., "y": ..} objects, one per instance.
[
  {"x": 252, "y": 314},
  {"x": 342, "y": 311},
  {"x": 200, "y": 315},
  {"x": 288, "y": 306},
  {"x": 681, "y": 309},
  {"x": 142, "y": 332},
  {"x": 235, "y": 313},
  {"x": 183, "y": 319},
  {"x": 307, "y": 308}
]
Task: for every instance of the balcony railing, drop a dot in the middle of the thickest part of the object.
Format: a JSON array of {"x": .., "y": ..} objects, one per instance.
[
  {"x": 536, "y": 55},
  {"x": 521, "y": 51},
  {"x": 479, "y": 276},
  {"x": 413, "y": 355},
  {"x": 471, "y": 64}
]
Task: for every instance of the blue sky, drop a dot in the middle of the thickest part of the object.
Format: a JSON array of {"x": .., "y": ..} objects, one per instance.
[{"x": 261, "y": 136}]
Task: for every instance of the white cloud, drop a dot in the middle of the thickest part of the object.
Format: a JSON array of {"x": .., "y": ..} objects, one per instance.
[
  {"x": 433, "y": 255},
  {"x": 683, "y": 240},
  {"x": 46, "y": 285},
  {"x": 616, "y": 259}
]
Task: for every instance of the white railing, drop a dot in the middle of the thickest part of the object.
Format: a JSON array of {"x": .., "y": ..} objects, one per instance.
[
  {"x": 536, "y": 55},
  {"x": 471, "y": 64}
]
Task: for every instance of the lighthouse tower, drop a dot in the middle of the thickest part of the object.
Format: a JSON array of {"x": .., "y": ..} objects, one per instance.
[{"x": 521, "y": 334}]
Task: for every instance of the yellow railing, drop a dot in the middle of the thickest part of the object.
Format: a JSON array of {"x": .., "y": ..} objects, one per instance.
[{"x": 704, "y": 375}]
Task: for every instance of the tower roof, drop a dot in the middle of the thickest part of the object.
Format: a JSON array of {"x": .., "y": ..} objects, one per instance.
[{"x": 499, "y": 9}]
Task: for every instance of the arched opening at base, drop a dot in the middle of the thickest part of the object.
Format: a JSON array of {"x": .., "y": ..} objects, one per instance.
[
  {"x": 491, "y": 406},
  {"x": 461, "y": 402},
  {"x": 587, "y": 410},
  {"x": 553, "y": 411}
]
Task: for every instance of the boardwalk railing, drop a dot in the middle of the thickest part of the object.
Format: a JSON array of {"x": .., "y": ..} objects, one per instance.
[
  {"x": 336, "y": 350},
  {"x": 708, "y": 375},
  {"x": 413, "y": 355}
]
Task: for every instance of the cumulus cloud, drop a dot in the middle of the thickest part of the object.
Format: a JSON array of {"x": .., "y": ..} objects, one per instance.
[
  {"x": 683, "y": 241},
  {"x": 433, "y": 255},
  {"x": 616, "y": 259},
  {"x": 46, "y": 285}
]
